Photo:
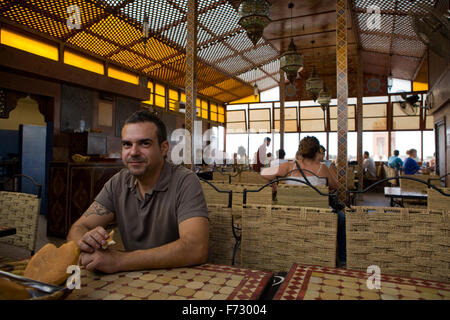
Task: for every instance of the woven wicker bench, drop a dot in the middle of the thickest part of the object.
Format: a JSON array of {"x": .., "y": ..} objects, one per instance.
[
  {"x": 274, "y": 237},
  {"x": 438, "y": 201},
  {"x": 301, "y": 196},
  {"x": 407, "y": 242},
  {"x": 21, "y": 211}
]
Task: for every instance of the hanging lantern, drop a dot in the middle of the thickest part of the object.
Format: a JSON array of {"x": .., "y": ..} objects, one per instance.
[
  {"x": 255, "y": 90},
  {"x": 390, "y": 82},
  {"x": 324, "y": 98},
  {"x": 291, "y": 62},
  {"x": 314, "y": 84},
  {"x": 254, "y": 17}
]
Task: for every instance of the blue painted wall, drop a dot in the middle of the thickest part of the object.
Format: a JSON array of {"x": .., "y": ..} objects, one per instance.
[{"x": 9, "y": 142}]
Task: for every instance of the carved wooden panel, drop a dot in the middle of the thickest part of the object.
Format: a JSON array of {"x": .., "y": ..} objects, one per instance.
[
  {"x": 57, "y": 201},
  {"x": 80, "y": 191}
]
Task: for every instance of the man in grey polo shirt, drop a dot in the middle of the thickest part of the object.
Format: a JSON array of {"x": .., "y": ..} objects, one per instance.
[{"x": 159, "y": 207}]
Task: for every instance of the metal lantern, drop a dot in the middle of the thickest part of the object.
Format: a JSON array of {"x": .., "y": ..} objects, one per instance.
[
  {"x": 254, "y": 17},
  {"x": 255, "y": 90},
  {"x": 291, "y": 62},
  {"x": 390, "y": 82},
  {"x": 314, "y": 84},
  {"x": 324, "y": 98}
]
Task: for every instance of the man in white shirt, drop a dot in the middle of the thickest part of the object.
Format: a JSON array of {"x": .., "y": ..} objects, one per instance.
[
  {"x": 280, "y": 158},
  {"x": 370, "y": 170},
  {"x": 261, "y": 155}
]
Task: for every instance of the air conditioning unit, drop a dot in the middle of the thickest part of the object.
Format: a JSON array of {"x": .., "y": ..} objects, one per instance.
[{"x": 181, "y": 106}]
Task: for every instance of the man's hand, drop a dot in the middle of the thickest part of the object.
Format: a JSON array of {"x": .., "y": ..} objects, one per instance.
[
  {"x": 93, "y": 240},
  {"x": 102, "y": 260}
]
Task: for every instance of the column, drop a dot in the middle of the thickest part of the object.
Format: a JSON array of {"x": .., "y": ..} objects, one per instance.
[
  {"x": 191, "y": 79},
  {"x": 282, "y": 98},
  {"x": 342, "y": 95},
  {"x": 359, "y": 121}
]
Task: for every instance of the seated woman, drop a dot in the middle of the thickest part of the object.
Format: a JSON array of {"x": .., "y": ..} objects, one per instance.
[
  {"x": 308, "y": 159},
  {"x": 410, "y": 165}
]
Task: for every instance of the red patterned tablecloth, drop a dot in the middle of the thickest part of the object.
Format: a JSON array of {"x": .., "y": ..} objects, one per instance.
[
  {"x": 305, "y": 282},
  {"x": 208, "y": 281}
]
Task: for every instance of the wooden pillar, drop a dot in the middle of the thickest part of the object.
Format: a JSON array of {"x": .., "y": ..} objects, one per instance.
[
  {"x": 359, "y": 122},
  {"x": 342, "y": 95},
  {"x": 282, "y": 99},
  {"x": 191, "y": 79}
]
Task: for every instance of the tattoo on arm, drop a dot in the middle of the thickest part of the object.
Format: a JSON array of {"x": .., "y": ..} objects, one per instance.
[{"x": 96, "y": 208}]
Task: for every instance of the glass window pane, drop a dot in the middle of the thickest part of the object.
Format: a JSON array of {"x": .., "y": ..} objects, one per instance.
[
  {"x": 406, "y": 123},
  {"x": 259, "y": 126},
  {"x": 159, "y": 89},
  {"x": 221, "y": 118},
  {"x": 291, "y": 141},
  {"x": 213, "y": 116},
  {"x": 289, "y": 125},
  {"x": 428, "y": 145},
  {"x": 221, "y": 110},
  {"x": 376, "y": 143},
  {"x": 234, "y": 141},
  {"x": 160, "y": 101},
  {"x": 312, "y": 125},
  {"x": 405, "y": 140},
  {"x": 183, "y": 97},
  {"x": 259, "y": 114},
  {"x": 204, "y": 114},
  {"x": 374, "y": 124},
  {"x": 236, "y": 127},
  {"x": 374, "y": 110},
  {"x": 311, "y": 113},
  {"x": 213, "y": 107},
  {"x": 350, "y": 114},
  {"x": 352, "y": 146},
  {"x": 429, "y": 122},
  {"x": 289, "y": 113},
  {"x": 173, "y": 94},
  {"x": 235, "y": 116}
]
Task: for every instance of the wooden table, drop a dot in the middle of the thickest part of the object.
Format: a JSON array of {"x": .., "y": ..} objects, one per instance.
[
  {"x": 7, "y": 231},
  {"x": 305, "y": 282},
  {"x": 205, "y": 282},
  {"x": 398, "y": 193}
]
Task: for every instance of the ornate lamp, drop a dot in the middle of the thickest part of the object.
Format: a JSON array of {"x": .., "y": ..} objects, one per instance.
[
  {"x": 254, "y": 17},
  {"x": 314, "y": 84},
  {"x": 324, "y": 98},
  {"x": 390, "y": 79},
  {"x": 291, "y": 61}
]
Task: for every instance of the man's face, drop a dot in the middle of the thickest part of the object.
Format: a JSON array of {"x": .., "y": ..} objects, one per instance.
[
  {"x": 365, "y": 156},
  {"x": 321, "y": 155},
  {"x": 141, "y": 152},
  {"x": 268, "y": 142}
]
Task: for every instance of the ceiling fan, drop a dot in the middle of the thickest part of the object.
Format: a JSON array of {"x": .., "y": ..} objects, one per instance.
[{"x": 432, "y": 28}]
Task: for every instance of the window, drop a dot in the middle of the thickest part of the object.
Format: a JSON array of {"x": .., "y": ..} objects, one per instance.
[
  {"x": 400, "y": 85},
  {"x": 83, "y": 62},
  {"x": 350, "y": 114},
  {"x": 123, "y": 75},
  {"x": 376, "y": 143},
  {"x": 259, "y": 120},
  {"x": 429, "y": 121},
  {"x": 311, "y": 119},
  {"x": 213, "y": 115},
  {"x": 375, "y": 117},
  {"x": 428, "y": 145},
  {"x": 403, "y": 121},
  {"x": 221, "y": 116},
  {"x": 291, "y": 141},
  {"x": 236, "y": 122},
  {"x": 173, "y": 100},
  {"x": 405, "y": 140},
  {"x": 160, "y": 95},
  {"x": 234, "y": 141},
  {"x": 270, "y": 95},
  {"x": 29, "y": 44},
  {"x": 204, "y": 109},
  {"x": 352, "y": 146},
  {"x": 150, "y": 99},
  {"x": 290, "y": 119}
]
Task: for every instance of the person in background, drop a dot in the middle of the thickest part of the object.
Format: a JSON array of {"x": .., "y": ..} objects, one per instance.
[
  {"x": 395, "y": 161},
  {"x": 307, "y": 158},
  {"x": 370, "y": 171},
  {"x": 280, "y": 158},
  {"x": 410, "y": 166},
  {"x": 261, "y": 155},
  {"x": 322, "y": 156},
  {"x": 268, "y": 160},
  {"x": 433, "y": 162}
]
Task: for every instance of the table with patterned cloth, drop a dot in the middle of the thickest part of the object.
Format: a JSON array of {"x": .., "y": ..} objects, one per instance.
[
  {"x": 204, "y": 282},
  {"x": 7, "y": 231},
  {"x": 305, "y": 282}
]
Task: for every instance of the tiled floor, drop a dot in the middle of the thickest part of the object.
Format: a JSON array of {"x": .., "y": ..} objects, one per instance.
[{"x": 15, "y": 253}]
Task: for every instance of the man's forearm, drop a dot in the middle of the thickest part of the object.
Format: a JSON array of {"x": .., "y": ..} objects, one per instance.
[
  {"x": 76, "y": 233},
  {"x": 178, "y": 253}
]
